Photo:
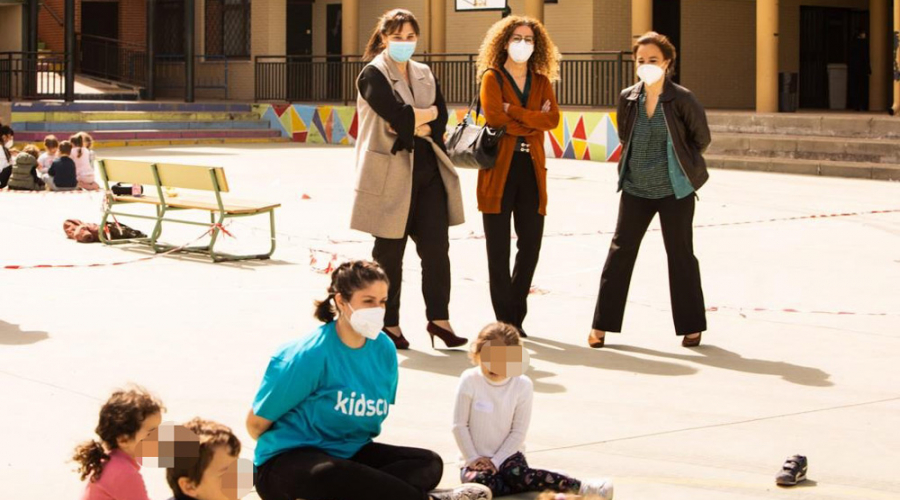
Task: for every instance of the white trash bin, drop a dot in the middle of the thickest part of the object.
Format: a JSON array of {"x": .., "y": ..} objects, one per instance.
[{"x": 837, "y": 86}]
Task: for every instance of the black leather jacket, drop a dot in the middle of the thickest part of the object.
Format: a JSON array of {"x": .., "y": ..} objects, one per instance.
[{"x": 685, "y": 120}]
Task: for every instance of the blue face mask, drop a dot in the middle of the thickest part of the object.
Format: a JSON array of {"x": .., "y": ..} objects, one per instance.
[{"x": 401, "y": 51}]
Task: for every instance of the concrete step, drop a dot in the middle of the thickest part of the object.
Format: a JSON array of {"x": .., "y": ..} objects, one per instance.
[
  {"x": 99, "y": 116},
  {"x": 119, "y": 143},
  {"x": 806, "y": 147},
  {"x": 864, "y": 125},
  {"x": 91, "y": 126},
  {"x": 122, "y": 135},
  {"x": 21, "y": 107},
  {"x": 860, "y": 170}
]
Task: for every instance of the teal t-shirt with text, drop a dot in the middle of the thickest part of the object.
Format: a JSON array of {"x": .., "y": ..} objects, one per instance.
[{"x": 320, "y": 393}]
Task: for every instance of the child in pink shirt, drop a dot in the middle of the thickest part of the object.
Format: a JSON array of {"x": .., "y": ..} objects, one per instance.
[
  {"x": 84, "y": 170},
  {"x": 110, "y": 466}
]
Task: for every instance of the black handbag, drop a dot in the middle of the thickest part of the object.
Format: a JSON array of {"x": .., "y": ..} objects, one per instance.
[{"x": 471, "y": 146}]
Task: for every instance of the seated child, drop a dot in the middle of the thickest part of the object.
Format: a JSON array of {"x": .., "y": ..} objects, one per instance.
[
  {"x": 61, "y": 176},
  {"x": 213, "y": 475},
  {"x": 491, "y": 418},
  {"x": 51, "y": 151},
  {"x": 110, "y": 466},
  {"x": 24, "y": 175},
  {"x": 84, "y": 170}
]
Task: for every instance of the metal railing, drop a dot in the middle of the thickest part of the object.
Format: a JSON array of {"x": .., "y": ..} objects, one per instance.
[
  {"x": 111, "y": 59},
  {"x": 32, "y": 75},
  {"x": 591, "y": 79},
  {"x": 210, "y": 73}
]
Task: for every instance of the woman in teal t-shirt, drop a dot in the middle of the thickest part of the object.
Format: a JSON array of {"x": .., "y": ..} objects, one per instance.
[{"x": 323, "y": 399}]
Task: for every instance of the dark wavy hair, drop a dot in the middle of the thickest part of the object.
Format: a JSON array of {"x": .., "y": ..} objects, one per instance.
[
  {"x": 121, "y": 416},
  {"x": 346, "y": 280}
]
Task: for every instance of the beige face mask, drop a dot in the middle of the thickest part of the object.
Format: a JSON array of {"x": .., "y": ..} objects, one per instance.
[{"x": 504, "y": 360}]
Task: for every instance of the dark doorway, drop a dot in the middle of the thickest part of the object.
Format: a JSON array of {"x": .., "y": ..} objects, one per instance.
[
  {"x": 100, "y": 39},
  {"x": 300, "y": 65},
  {"x": 333, "y": 47},
  {"x": 667, "y": 21},
  {"x": 829, "y": 36},
  {"x": 168, "y": 33}
]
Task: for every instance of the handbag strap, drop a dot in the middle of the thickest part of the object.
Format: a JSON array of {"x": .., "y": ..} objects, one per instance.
[{"x": 477, "y": 98}]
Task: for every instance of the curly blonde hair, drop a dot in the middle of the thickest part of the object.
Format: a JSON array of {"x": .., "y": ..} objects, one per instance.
[{"x": 492, "y": 54}]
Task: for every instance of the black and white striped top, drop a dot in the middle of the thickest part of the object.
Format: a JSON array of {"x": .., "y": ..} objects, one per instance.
[{"x": 647, "y": 173}]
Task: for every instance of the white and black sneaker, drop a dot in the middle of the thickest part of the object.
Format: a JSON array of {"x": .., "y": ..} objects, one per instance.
[
  {"x": 468, "y": 491},
  {"x": 602, "y": 488}
]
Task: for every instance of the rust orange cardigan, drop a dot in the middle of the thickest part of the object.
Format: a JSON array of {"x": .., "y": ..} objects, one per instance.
[{"x": 528, "y": 122}]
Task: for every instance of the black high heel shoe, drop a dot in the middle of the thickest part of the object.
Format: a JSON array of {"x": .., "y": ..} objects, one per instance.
[
  {"x": 400, "y": 342},
  {"x": 450, "y": 339}
]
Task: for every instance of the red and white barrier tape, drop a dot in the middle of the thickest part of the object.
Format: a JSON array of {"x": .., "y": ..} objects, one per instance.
[{"x": 123, "y": 262}]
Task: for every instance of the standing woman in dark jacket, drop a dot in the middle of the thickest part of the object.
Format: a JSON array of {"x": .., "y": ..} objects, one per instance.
[
  {"x": 664, "y": 133},
  {"x": 518, "y": 63}
]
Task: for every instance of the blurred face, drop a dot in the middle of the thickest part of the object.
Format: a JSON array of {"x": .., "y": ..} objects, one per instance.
[
  {"x": 522, "y": 33},
  {"x": 650, "y": 54},
  {"x": 499, "y": 362},
  {"x": 225, "y": 478},
  {"x": 130, "y": 444}
]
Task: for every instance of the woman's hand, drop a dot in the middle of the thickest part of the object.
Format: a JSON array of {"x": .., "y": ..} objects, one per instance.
[
  {"x": 546, "y": 107},
  {"x": 423, "y": 130},
  {"x": 506, "y": 107}
]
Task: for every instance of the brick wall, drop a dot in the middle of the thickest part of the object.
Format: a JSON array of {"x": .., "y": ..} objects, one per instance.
[
  {"x": 49, "y": 30},
  {"x": 10, "y": 29},
  {"x": 718, "y": 52},
  {"x": 612, "y": 25}
]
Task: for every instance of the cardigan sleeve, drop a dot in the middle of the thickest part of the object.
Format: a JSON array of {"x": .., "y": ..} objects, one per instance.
[
  {"x": 378, "y": 93},
  {"x": 492, "y": 102},
  {"x": 538, "y": 120}
]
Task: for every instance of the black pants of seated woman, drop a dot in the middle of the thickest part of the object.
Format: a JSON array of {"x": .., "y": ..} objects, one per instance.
[
  {"x": 521, "y": 202},
  {"x": 376, "y": 472},
  {"x": 428, "y": 226}
]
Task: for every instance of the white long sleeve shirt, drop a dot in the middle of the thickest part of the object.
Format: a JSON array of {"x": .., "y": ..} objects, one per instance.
[{"x": 491, "y": 419}]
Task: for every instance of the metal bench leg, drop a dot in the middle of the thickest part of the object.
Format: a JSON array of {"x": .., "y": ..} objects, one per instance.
[{"x": 215, "y": 235}]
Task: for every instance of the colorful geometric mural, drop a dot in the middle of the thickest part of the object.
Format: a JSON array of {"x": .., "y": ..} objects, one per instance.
[{"x": 581, "y": 135}]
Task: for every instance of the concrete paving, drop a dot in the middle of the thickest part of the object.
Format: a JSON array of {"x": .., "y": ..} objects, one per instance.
[{"x": 712, "y": 423}]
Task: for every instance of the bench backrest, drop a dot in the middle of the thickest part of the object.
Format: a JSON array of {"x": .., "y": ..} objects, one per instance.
[
  {"x": 191, "y": 177},
  {"x": 127, "y": 171},
  {"x": 170, "y": 174}
]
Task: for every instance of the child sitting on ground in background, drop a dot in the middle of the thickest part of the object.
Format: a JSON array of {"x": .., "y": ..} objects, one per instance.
[
  {"x": 62, "y": 175},
  {"x": 24, "y": 174},
  {"x": 213, "y": 474},
  {"x": 110, "y": 466},
  {"x": 491, "y": 418},
  {"x": 89, "y": 145},
  {"x": 84, "y": 170},
  {"x": 51, "y": 152}
]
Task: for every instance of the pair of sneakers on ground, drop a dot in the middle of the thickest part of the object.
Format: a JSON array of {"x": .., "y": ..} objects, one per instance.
[{"x": 601, "y": 489}]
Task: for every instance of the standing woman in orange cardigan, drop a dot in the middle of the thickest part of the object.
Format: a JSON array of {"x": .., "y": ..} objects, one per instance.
[{"x": 518, "y": 62}]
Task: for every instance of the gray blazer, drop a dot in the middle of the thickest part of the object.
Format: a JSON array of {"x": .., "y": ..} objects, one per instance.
[{"x": 383, "y": 180}]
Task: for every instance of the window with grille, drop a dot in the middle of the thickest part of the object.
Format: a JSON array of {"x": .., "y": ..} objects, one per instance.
[{"x": 228, "y": 28}]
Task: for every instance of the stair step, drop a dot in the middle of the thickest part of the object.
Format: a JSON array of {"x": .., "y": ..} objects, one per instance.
[
  {"x": 107, "y": 125},
  {"x": 867, "y": 125},
  {"x": 43, "y": 106},
  {"x": 860, "y": 170},
  {"x": 99, "y": 116},
  {"x": 806, "y": 147},
  {"x": 101, "y": 135},
  {"x": 106, "y": 144}
]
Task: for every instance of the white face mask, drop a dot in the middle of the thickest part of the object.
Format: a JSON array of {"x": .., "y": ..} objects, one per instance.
[
  {"x": 521, "y": 51},
  {"x": 9, "y": 144},
  {"x": 367, "y": 322},
  {"x": 650, "y": 73}
]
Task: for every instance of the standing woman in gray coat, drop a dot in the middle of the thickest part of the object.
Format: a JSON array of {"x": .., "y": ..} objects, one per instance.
[{"x": 406, "y": 185}]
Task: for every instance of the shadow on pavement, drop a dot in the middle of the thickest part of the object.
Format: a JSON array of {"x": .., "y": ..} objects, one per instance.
[
  {"x": 718, "y": 357},
  {"x": 11, "y": 334}
]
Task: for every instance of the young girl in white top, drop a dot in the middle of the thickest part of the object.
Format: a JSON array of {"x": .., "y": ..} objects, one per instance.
[
  {"x": 84, "y": 170},
  {"x": 491, "y": 417}
]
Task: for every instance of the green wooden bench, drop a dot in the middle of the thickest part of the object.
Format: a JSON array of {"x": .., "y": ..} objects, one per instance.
[{"x": 156, "y": 177}]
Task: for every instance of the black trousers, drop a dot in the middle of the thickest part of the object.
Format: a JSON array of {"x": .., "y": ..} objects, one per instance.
[
  {"x": 5, "y": 174},
  {"x": 676, "y": 220},
  {"x": 428, "y": 225},
  {"x": 376, "y": 472},
  {"x": 521, "y": 200}
]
